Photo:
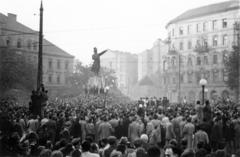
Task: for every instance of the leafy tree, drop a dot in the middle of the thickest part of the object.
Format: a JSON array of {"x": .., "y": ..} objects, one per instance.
[
  {"x": 81, "y": 75},
  {"x": 232, "y": 67},
  {"x": 16, "y": 72}
]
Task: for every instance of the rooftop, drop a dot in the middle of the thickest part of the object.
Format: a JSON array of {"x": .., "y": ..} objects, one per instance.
[
  {"x": 10, "y": 23},
  {"x": 207, "y": 10}
]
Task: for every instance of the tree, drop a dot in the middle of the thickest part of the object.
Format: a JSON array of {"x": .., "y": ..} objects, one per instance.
[
  {"x": 232, "y": 67},
  {"x": 81, "y": 75},
  {"x": 16, "y": 72}
]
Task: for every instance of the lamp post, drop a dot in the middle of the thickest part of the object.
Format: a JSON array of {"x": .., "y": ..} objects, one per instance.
[
  {"x": 203, "y": 83},
  {"x": 179, "y": 77}
]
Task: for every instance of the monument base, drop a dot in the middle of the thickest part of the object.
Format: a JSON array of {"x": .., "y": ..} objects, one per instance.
[{"x": 96, "y": 84}]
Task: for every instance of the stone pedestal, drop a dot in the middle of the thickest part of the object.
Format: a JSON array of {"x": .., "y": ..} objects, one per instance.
[{"x": 97, "y": 83}]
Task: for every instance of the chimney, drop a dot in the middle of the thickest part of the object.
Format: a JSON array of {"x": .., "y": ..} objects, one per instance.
[{"x": 12, "y": 17}]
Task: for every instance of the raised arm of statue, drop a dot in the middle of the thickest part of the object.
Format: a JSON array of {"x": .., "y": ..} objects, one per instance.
[{"x": 103, "y": 52}]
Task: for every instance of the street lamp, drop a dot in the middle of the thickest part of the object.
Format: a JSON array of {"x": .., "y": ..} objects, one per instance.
[{"x": 203, "y": 83}]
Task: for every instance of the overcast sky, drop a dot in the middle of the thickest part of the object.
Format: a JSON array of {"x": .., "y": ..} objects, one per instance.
[{"x": 77, "y": 26}]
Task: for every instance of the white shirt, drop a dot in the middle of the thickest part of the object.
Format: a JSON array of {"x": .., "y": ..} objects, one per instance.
[{"x": 88, "y": 154}]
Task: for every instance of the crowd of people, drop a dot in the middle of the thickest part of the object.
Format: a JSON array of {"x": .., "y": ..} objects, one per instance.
[{"x": 87, "y": 126}]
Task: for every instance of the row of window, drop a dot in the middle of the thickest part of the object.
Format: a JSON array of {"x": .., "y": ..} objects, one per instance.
[
  {"x": 199, "y": 61},
  {"x": 50, "y": 64},
  {"x": 30, "y": 45},
  {"x": 204, "y": 42},
  {"x": 58, "y": 79},
  {"x": 190, "y": 77},
  {"x": 200, "y": 27}
]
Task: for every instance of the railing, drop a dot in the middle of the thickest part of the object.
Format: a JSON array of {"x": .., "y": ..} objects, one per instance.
[{"x": 202, "y": 48}]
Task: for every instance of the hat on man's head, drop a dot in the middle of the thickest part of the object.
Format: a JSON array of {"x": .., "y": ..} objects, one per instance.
[
  {"x": 123, "y": 140},
  {"x": 112, "y": 140}
]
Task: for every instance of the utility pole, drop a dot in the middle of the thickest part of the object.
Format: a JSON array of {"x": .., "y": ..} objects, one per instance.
[
  {"x": 237, "y": 33},
  {"x": 39, "y": 97},
  {"x": 40, "y": 70},
  {"x": 179, "y": 77}
]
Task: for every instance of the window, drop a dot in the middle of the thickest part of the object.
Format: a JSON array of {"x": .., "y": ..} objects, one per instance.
[
  {"x": 214, "y": 24},
  {"x": 198, "y": 77},
  {"x": 58, "y": 79},
  {"x": 182, "y": 78},
  {"x": 224, "y": 23},
  {"x": 58, "y": 64},
  {"x": 215, "y": 59},
  {"x": 204, "y": 26},
  {"x": 19, "y": 43},
  {"x": 198, "y": 61},
  {"x": 189, "y": 61},
  {"x": 181, "y": 45},
  {"x": 181, "y": 59},
  {"x": 189, "y": 29},
  {"x": 50, "y": 64},
  {"x": 205, "y": 60},
  {"x": 190, "y": 77},
  {"x": 224, "y": 40},
  {"x": 35, "y": 45},
  {"x": 205, "y": 42},
  {"x": 225, "y": 75},
  {"x": 165, "y": 65},
  {"x": 66, "y": 65},
  {"x": 206, "y": 75},
  {"x": 198, "y": 27},
  {"x": 181, "y": 31},
  {"x": 189, "y": 44},
  {"x": 198, "y": 43},
  {"x": 8, "y": 41},
  {"x": 50, "y": 78},
  {"x": 29, "y": 44},
  {"x": 225, "y": 58},
  {"x": 172, "y": 32},
  {"x": 215, "y": 40},
  {"x": 215, "y": 75},
  {"x": 169, "y": 34},
  {"x": 174, "y": 61}
]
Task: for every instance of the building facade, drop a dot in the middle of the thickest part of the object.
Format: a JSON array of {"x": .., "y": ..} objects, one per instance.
[
  {"x": 149, "y": 68},
  {"x": 149, "y": 61},
  {"x": 57, "y": 64},
  {"x": 199, "y": 42},
  {"x": 124, "y": 66}
]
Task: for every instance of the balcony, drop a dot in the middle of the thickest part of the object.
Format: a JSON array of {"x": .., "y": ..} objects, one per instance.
[
  {"x": 204, "y": 48},
  {"x": 172, "y": 52}
]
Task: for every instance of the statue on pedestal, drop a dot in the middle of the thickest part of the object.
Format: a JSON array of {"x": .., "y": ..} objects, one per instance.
[{"x": 96, "y": 61}]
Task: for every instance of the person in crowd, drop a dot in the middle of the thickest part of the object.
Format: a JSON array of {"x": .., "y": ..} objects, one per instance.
[
  {"x": 145, "y": 143},
  {"x": 188, "y": 132},
  {"x": 170, "y": 134},
  {"x": 105, "y": 129},
  {"x": 134, "y": 130},
  {"x": 166, "y": 129},
  {"x": 112, "y": 145},
  {"x": 171, "y": 151},
  {"x": 155, "y": 137},
  {"x": 200, "y": 136},
  {"x": 86, "y": 146},
  {"x": 199, "y": 110}
]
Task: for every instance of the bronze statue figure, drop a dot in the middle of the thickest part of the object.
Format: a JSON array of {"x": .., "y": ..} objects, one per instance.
[{"x": 96, "y": 61}]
